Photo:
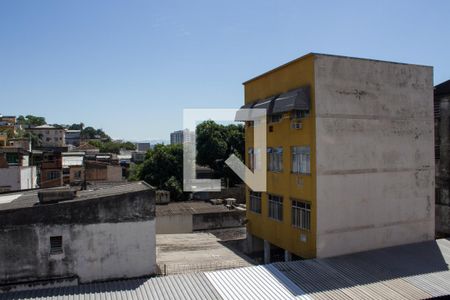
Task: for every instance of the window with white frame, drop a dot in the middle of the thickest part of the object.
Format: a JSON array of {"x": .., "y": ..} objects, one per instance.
[
  {"x": 255, "y": 202},
  {"x": 275, "y": 207},
  {"x": 275, "y": 159},
  {"x": 301, "y": 156},
  {"x": 301, "y": 214}
]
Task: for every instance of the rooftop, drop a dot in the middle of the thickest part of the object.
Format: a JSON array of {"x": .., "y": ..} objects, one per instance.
[
  {"x": 415, "y": 271},
  {"x": 29, "y": 199},
  {"x": 200, "y": 251},
  {"x": 188, "y": 208},
  {"x": 324, "y": 54}
]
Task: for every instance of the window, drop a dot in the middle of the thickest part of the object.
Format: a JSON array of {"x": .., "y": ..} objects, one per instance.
[
  {"x": 53, "y": 175},
  {"x": 276, "y": 118},
  {"x": 301, "y": 214},
  {"x": 275, "y": 159},
  {"x": 251, "y": 159},
  {"x": 254, "y": 159},
  {"x": 56, "y": 244},
  {"x": 301, "y": 160},
  {"x": 255, "y": 202},
  {"x": 299, "y": 114},
  {"x": 276, "y": 207},
  {"x": 77, "y": 175}
]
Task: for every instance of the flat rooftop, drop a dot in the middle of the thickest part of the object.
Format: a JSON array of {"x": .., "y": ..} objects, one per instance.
[
  {"x": 188, "y": 208},
  {"x": 194, "y": 252},
  {"x": 29, "y": 199},
  {"x": 415, "y": 271},
  {"x": 331, "y": 55}
]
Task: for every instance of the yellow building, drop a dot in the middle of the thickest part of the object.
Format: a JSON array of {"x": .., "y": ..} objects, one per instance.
[{"x": 326, "y": 148}]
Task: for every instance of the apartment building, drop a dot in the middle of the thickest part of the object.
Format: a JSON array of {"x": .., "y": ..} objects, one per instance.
[
  {"x": 49, "y": 136},
  {"x": 442, "y": 156},
  {"x": 349, "y": 155},
  {"x": 73, "y": 137},
  {"x": 180, "y": 136},
  {"x": 8, "y": 124},
  {"x": 16, "y": 173}
]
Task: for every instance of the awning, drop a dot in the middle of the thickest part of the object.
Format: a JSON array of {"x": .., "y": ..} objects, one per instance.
[
  {"x": 261, "y": 104},
  {"x": 297, "y": 99},
  {"x": 265, "y": 104}
]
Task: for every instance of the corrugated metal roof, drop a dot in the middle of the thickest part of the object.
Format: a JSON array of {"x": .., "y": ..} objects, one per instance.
[
  {"x": 260, "y": 282},
  {"x": 192, "y": 286},
  {"x": 415, "y": 271}
]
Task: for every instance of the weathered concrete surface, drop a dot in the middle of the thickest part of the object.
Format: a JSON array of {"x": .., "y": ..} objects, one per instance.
[
  {"x": 375, "y": 154},
  {"x": 442, "y": 219},
  {"x": 180, "y": 223},
  {"x": 193, "y": 252},
  {"x": 105, "y": 235},
  {"x": 189, "y": 216},
  {"x": 442, "y": 127},
  {"x": 217, "y": 220},
  {"x": 91, "y": 252}
]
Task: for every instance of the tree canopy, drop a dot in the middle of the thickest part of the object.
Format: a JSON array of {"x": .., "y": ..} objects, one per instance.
[
  {"x": 215, "y": 143},
  {"x": 31, "y": 120},
  {"x": 163, "y": 166},
  {"x": 112, "y": 146},
  {"x": 92, "y": 133}
]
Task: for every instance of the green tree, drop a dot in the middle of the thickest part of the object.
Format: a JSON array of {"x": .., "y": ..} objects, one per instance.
[
  {"x": 75, "y": 126},
  {"x": 128, "y": 146},
  {"x": 215, "y": 143},
  {"x": 163, "y": 168},
  {"x": 31, "y": 120},
  {"x": 211, "y": 144}
]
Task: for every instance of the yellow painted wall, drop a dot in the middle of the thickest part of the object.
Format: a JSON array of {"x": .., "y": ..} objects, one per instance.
[{"x": 281, "y": 233}]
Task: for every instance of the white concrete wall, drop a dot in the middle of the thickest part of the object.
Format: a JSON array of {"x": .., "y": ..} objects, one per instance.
[
  {"x": 101, "y": 251},
  {"x": 174, "y": 224},
  {"x": 28, "y": 178},
  {"x": 10, "y": 177},
  {"x": 375, "y": 154}
]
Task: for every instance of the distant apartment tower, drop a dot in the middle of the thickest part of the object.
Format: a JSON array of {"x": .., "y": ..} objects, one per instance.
[
  {"x": 180, "y": 136},
  {"x": 349, "y": 154},
  {"x": 142, "y": 147},
  {"x": 442, "y": 156}
]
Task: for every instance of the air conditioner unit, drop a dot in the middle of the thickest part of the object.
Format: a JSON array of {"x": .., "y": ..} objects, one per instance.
[{"x": 296, "y": 125}]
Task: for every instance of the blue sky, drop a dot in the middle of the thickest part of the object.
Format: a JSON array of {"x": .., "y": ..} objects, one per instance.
[{"x": 131, "y": 66}]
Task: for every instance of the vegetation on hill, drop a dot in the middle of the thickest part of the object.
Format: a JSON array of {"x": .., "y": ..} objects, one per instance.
[
  {"x": 97, "y": 137},
  {"x": 112, "y": 146}
]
